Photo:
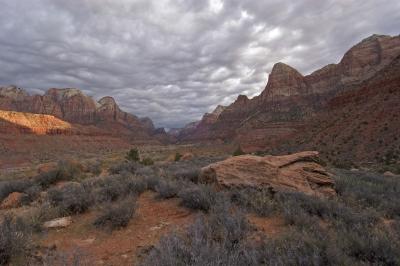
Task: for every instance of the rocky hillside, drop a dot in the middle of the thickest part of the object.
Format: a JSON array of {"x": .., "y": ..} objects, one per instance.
[
  {"x": 292, "y": 105},
  {"x": 72, "y": 106}
]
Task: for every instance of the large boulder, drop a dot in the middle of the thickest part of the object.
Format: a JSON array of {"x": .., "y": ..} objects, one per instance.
[{"x": 300, "y": 172}]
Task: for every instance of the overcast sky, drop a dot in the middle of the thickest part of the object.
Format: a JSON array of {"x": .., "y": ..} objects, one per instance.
[{"x": 174, "y": 60}]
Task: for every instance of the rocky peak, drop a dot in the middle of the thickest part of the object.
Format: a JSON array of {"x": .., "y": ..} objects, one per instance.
[
  {"x": 147, "y": 123},
  {"x": 63, "y": 94},
  {"x": 284, "y": 80},
  {"x": 367, "y": 57},
  {"x": 13, "y": 92},
  {"x": 218, "y": 110},
  {"x": 107, "y": 101},
  {"x": 241, "y": 99},
  {"x": 374, "y": 37}
]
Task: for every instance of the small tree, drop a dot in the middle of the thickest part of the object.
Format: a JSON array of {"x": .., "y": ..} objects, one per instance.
[
  {"x": 178, "y": 157},
  {"x": 238, "y": 152},
  {"x": 133, "y": 155}
]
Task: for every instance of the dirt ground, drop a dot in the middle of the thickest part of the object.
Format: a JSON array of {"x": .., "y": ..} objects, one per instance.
[{"x": 153, "y": 219}]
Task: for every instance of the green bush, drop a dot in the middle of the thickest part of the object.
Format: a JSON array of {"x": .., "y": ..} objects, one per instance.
[
  {"x": 178, "y": 157},
  {"x": 133, "y": 155},
  {"x": 147, "y": 161}
]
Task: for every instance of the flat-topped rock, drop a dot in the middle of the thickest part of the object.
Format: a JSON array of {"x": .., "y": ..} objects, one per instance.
[{"x": 299, "y": 172}]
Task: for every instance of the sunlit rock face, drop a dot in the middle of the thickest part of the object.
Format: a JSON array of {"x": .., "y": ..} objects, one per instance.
[{"x": 17, "y": 122}]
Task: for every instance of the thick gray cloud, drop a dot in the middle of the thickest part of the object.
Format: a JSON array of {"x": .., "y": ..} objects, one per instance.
[{"x": 173, "y": 60}]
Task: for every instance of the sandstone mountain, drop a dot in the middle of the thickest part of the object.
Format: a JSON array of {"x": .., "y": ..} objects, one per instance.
[
  {"x": 294, "y": 109},
  {"x": 71, "y": 105}
]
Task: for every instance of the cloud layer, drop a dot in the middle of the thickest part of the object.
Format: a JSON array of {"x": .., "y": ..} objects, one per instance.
[{"x": 174, "y": 60}]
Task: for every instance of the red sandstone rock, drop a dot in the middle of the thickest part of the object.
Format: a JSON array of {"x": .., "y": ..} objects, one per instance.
[
  {"x": 14, "y": 200},
  {"x": 299, "y": 172}
]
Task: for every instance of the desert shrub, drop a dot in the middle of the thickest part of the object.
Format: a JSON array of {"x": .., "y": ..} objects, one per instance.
[
  {"x": 133, "y": 155},
  {"x": 124, "y": 167},
  {"x": 342, "y": 164},
  {"x": 167, "y": 189},
  {"x": 115, "y": 187},
  {"x": 136, "y": 185},
  {"x": 117, "y": 215},
  {"x": 178, "y": 157},
  {"x": 76, "y": 257},
  {"x": 72, "y": 198},
  {"x": 33, "y": 192},
  {"x": 301, "y": 248},
  {"x": 238, "y": 151},
  {"x": 107, "y": 189},
  {"x": 15, "y": 238},
  {"x": 147, "y": 171},
  {"x": 152, "y": 182},
  {"x": 218, "y": 240},
  {"x": 36, "y": 217},
  {"x": 299, "y": 208},
  {"x": 259, "y": 201},
  {"x": 369, "y": 190},
  {"x": 227, "y": 225},
  {"x": 147, "y": 161},
  {"x": 394, "y": 168},
  {"x": 68, "y": 170},
  {"x": 93, "y": 166},
  {"x": 341, "y": 244},
  {"x": 47, "y": 178},
  {"x": 187, "y": 170},
  {"x": 8, "y": 187},
  {"x": 367, "y": 244},
  {"x": 347, "y": 230},
  {"x": 183, "y": 170},
  {"x": 200, "y": 197},
  {"x": 188, "y": 174}
]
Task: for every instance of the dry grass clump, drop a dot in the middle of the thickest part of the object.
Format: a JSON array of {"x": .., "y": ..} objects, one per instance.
[
  {"x": 117, "y": 215},
  {"x": 15, "y": 240}
]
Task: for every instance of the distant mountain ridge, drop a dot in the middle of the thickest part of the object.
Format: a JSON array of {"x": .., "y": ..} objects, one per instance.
[
  {"x": 71, "y": 105},
  {"x": 291, "y": 102}
]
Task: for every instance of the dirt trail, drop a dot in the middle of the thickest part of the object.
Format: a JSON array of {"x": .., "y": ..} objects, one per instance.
[{"x": 154, "y": 218}]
